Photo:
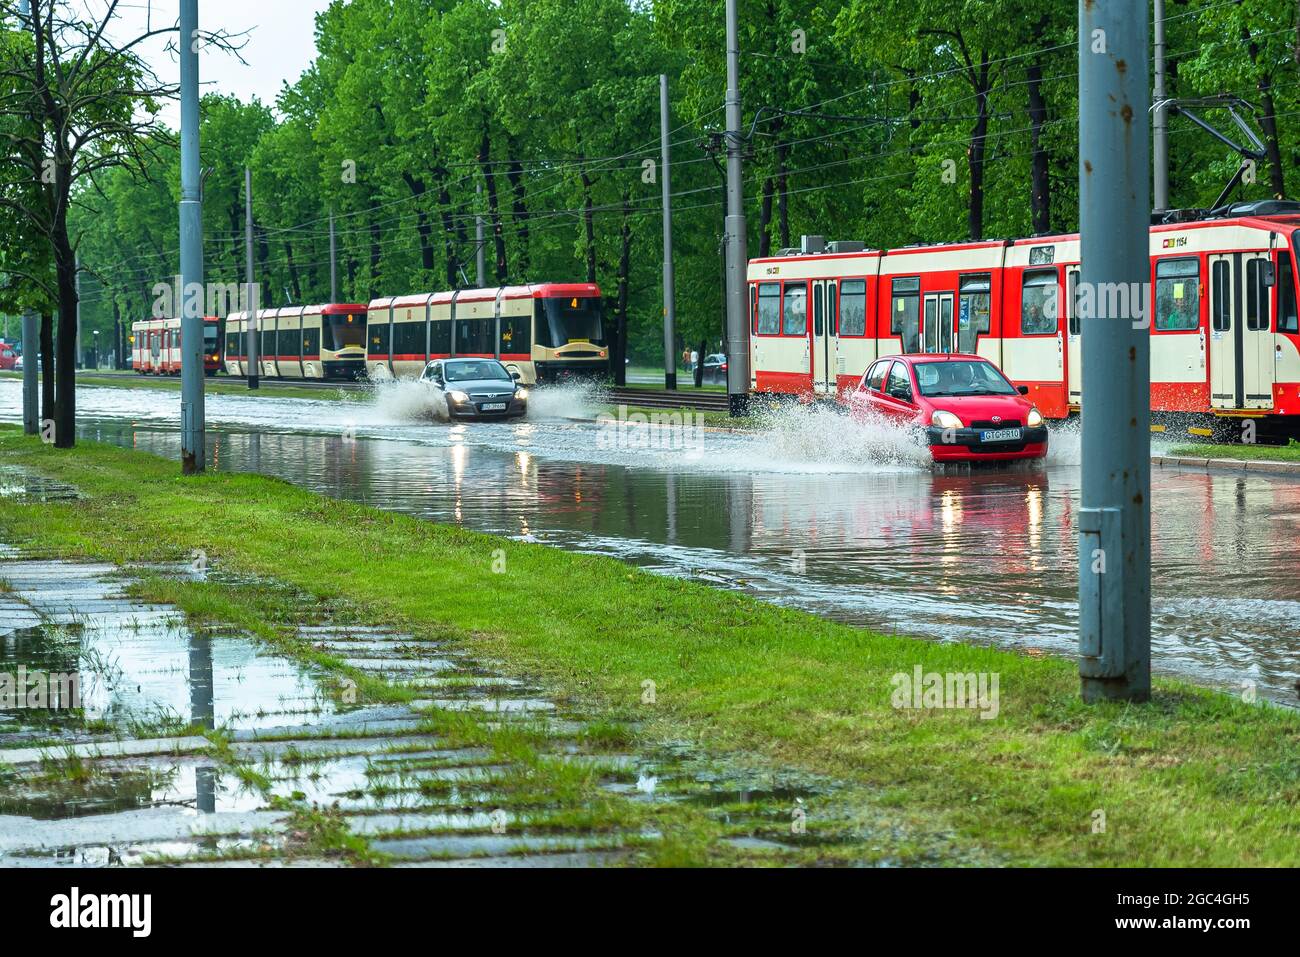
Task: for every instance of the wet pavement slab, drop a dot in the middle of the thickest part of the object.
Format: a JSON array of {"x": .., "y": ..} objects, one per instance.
[{"x": 186, "y": 744}]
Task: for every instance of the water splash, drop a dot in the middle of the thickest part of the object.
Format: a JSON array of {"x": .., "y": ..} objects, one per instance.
[
  {"x": 400, "y": 401},
  {"x": 580, "y": 400}
]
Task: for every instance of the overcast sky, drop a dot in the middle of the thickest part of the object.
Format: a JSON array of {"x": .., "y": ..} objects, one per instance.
[{"x": 280, "y": 46}]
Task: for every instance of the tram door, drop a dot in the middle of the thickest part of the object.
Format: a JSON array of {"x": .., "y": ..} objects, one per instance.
[
  {"x": 937, "y": 334},
  {"x": 1241, "y": 337},
  {"x": 825, "y": 338},
  {"x": 1074, "y": 348}
]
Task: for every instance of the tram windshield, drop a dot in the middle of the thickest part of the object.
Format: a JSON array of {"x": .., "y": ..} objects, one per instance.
[
  {"x": 570, "y": 319},
  {"x": 341, "y": 331},
  {"x": 961, "y": 377}
]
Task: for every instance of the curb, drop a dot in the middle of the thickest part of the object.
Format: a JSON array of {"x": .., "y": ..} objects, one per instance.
[{"x": 1235, "y": 466}]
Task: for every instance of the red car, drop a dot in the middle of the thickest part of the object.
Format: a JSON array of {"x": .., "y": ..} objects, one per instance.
[{"x": 967, "y": 410}]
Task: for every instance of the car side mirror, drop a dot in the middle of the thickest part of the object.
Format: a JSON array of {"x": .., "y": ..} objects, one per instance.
[
  {"x": 514, "y": 374},
  {"x": 1023, "y": 389}
]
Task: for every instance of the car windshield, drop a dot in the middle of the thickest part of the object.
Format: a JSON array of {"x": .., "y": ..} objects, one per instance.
[
  {"x": 961, "y": 377},
  {"x": 471, "y": 369}
]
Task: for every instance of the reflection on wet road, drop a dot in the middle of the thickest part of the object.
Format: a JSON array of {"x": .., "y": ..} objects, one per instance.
[{"x": 811, "y": 512}]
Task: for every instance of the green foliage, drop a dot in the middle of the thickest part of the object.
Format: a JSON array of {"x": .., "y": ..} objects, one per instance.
[{"x": 888, "y": 121}]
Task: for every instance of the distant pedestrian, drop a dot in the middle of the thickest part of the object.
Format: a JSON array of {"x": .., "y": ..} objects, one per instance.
[{"x": 695, "y": 358}]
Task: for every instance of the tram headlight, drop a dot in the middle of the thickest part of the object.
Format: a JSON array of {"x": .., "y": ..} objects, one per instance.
[
  {"x": 457, "y": 396},
  {"x": 945, "y": 420},
  {"x": 1035, "y": 419}
]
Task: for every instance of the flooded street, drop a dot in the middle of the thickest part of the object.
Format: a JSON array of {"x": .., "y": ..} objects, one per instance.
[{"x": 811, "y": 511}]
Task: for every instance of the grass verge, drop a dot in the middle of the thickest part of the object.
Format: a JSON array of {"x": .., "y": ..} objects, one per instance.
[
  {"x": 1265, "y": 453},
  {"x": 1193, "y": 778},
  {"x": 215, "y": 386}
]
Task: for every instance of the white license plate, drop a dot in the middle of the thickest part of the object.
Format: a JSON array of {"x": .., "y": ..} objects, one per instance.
[
  {"x": 1000, "y": 435},
  {"x": 494, "y": 406}
]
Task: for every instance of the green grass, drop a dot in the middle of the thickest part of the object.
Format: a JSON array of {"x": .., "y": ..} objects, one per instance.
[
  {"x": 213, "y": 386},
  {"x": 1266, "y": 453},
  {"x": 1193, "y": 778}
]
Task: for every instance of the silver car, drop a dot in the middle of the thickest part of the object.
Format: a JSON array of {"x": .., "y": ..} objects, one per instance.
[{"x": 477, "y": 388}]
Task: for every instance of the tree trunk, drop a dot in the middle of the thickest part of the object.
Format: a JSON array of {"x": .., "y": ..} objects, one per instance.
[
  {"x": 783, "y": 197},
  {"x": 620, "y": 311},
  {"x": 519, "y": 213},
  {"x": 448, "y": 231},
  {"x": 293, "y": 273},
  {"x": 47, "y": 367},
  {"x": 494, "y": 211},
  {"x": 1267, "y": 119},
  {"x": 1040, "y": 187},
  {"x": 976, "y": 155},
  {"x": 65, "y": 363},
  {"x": 422, "y": 227},
  {"x": 588, "y": 221},
  {"x": 765, "y": 219}
]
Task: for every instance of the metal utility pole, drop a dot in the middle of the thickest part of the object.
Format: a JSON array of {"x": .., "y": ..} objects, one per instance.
[
  {"x": 1160, "y": 140},
  {"x": 670, "y": 302},
  {"x": 191, "y": 222},
  {"x": 251, "y": 359},
  {"x": 480, "y": 254},
  {"x": 737, "y": 321},
  {"x": 1114, "y": 204},
  {"x": 76, "y": 280},
  {"x": 31, "y": 338},
  {"x": 334, "y": 263}
]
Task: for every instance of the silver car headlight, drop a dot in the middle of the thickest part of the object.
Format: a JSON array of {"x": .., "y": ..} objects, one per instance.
[
  {"x": 521, "y": 395},
  {"x": 945, "y": 420},
  {"x": 1034, "y": 419},
  {"x": 457, "y": 396}
]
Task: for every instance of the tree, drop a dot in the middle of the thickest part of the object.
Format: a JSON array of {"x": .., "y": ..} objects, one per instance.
[{"x": 75, "y": 104}]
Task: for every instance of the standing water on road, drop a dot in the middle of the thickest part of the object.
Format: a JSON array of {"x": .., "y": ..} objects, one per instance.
[{"x": 811, "y": 510}]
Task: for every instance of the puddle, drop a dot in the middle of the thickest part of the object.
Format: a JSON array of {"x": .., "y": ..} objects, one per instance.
[
  {"x": 28, "y": 487},
  {"x": 289, "y": 744}
]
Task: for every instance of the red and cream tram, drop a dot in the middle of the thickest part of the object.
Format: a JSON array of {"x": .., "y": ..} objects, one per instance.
[
  {"x": 156, "y": 346},
  {"x": 1225, "y": 338},
  {"x": 301, "y": 342},
  {"x": 546, "y": 332}
]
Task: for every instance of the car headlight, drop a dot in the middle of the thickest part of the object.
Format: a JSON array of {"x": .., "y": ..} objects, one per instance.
[
  {"x": 1035, "y": 419},
  {"x": 945, "y": 420},
  {"x": 521, "y": 395},
  {"x": 458, "y": 397}
]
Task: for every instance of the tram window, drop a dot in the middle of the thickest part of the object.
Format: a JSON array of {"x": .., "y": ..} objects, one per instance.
[
  {"x": 408, "y": 338},
  {"x": 290, "y": 341},
  {"x": 1038, "y": 303},
  {"x": 378, "y": 338},
  {"x": 1072, "y": 301},
  {"x": 1178, "y": 295},
  {"x": 233, "y": 348},
  {"x": 905, "y": 312},
  {"x": 876, "y": 377},
  {"x": 1220, "y": 296},
  {"x": 440, "y": 337},
  {"x": 1288, "y": 320},
  {"x": 311, "y": 342},
  {"x": 975, "y": 311},
  {"x": 474, "y": 336},
  {"x": 1256, "y": 310},
  {"x": 853, "y": 307},
  {"x": 516, "y": 333},
  {"x": 769, "y": 309},
  {"x": 818, "y": 311},
  {"x": 794, "y": 314},
  {"x": 266, "y": 347}
]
